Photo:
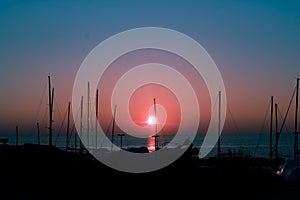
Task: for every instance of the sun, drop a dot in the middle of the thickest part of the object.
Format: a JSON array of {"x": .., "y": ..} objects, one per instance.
[{"x": 151, "y": 120}]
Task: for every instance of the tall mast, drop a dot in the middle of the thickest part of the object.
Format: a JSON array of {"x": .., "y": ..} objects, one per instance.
[
  {"x": 68, "y": 125},
  {"x": 88, "y": 115},
  {"x": 81, "y": 127},
  {"x": 219, "y": 127},
  {"x": 154, "y": 102},
  {"x": 296, "y": 132},
  {"x": 271, "y": 127},
  {"x": 50, "y": 112},
  {"x": 296, "y": 150},
  {"x": 156, "y": 135},
  {"x": 113, "y": 127},
  {"x": 276, "y": 131},
  {"x": 96, "y": 123}
]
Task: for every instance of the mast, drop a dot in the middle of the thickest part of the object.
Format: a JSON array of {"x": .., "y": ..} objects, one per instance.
[
  {"x": 68, "y": 125},
  {"x": 276, "y": 131},
  {"x": 219, "y": 127},
  {"x": 285, "y": 118},
  {"x": 271, "y": 127},
  {"x": 156, "y": 135},
  {"x": 81, "y": 128},
  {"x": 96, "y": 127},
  {"x": 296, "y": 150},
  {"x": 154, "y": 101},
  {"x": 88, "y": 115},
  {"x": 113, "y": 127},
  {"x": 50, "y": 111}
]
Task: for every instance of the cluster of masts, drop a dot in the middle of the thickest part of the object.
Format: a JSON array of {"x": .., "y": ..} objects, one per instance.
[
  {"x": 274, "y": 150},
  {"x": 51, "y": 99}
]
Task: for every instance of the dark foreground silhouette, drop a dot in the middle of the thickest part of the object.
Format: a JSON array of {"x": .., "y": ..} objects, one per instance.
[{"x": 42, "y": 172}]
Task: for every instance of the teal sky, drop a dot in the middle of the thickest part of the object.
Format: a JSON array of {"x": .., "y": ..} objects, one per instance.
[{"x": 255, "y": 44}]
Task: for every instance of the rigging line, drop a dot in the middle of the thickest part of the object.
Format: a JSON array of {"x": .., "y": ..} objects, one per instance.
[
  {"x": 107, "y": 130},
  {"x": 262, "y": 128},
  {"x": 287, "y": 130},
  {"x": 281, "y": 117},
  {"x": 71, "y": 133},
  {"x": 37, "y": 112},
  {"x": 106, "y": 133},
  {"x": 235, "y": 125},
  {"x": 31, "y": 136},
  {"x": 72, "y": 130},
  {"x": 41, "y": 102},
  {"x": 214, "y": 106},
  {"x": 74, "y": 127},
  {"x": 43, "y": 122},
  {"x": 59, "y": 115},
  {"x": 60, "y": 128}
]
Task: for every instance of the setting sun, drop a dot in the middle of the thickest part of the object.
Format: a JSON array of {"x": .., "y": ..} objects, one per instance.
[{"x": 151, "y": 120}]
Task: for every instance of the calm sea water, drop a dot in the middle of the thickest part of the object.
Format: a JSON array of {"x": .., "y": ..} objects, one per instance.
[{"x": 250, "y": 144}]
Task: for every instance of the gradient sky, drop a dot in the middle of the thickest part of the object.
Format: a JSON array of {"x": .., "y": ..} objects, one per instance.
[{"x": 255, "y": 44}]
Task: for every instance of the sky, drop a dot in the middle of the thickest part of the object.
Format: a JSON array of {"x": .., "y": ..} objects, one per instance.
[{"x": 255, "y": 45}]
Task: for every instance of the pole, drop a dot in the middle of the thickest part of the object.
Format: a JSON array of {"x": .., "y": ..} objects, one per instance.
[
  {"x": 156, "y": 135},
  {"x": 113, "y": 127},
  {"x": 88, "y": 115},
  {"x": 96, "y": 123},
  {"x": 271, "y": 127},
  {"x": 154, "y": 101},
  {"x": 296, "y": 122},
  {"x": 81, "y": 127},
  {"x": 50, "y": 112},
  {"x": 276, "y": 131},
  {"x": 219, "y": 127},
  {"x": 296, "y": 150},
  {"x": 68, "y": 125}
]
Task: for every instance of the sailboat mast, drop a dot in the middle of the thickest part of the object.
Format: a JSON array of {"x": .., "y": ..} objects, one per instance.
[
  {"x": 113, "y": 127},
  {"x": 156, "y": 135},
  {"x": 154, "y": 102},
  {"x": 81, "y": 127},
  {"x": 296, "y": 150},
  {"x": 219, "y": 127},
  {"x": 96, "y": 121},
  {"x": 271, "y": 127},
  {"x": 50, "y": 112},
  {"x": 276, "y": 131},
  {"x": 68, "y": 125},
  {"x": 88, "y": 115}
]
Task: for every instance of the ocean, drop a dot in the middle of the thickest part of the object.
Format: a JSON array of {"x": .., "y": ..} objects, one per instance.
[{"x": 256, "y": 145}]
